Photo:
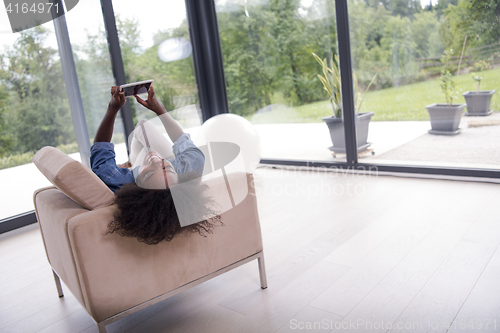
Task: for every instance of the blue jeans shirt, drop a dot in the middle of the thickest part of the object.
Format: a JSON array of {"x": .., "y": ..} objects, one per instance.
[{"x": 188, "y": 158}]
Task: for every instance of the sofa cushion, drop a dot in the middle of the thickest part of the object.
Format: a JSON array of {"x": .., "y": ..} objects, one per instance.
[{"x": 73, "y": 178}]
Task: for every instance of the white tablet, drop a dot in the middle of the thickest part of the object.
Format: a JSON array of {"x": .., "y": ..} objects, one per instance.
[{"x": 136, "y": 88}]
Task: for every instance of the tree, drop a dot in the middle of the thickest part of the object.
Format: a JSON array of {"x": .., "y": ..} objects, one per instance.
[
  {"x": 405, "y": 8},
  {"x": 442, "y": 5},
  {"x": 267, "y": 49},
  {"x": 249, "y": 65},
  {"x": 95, "y": 77},
  {"x": 37, "y": 106},
  {"x": 174, "y": 79},
  {"x": 478, "y": 19},
  {"x": 367, "y": 26},
  {"x": 399, "y": 48},
  {"x": 288, "y": 33},
  {"x": 6, "y": 137},
  {"x": 425, "y": 33}
]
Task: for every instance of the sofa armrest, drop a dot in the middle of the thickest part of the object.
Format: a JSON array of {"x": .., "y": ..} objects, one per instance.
[
  {"x": 117, "y": 273},
  {"x": 53, "y": 211}
]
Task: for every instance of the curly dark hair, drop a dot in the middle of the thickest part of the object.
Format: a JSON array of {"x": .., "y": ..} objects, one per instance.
[{"x": 152, "y": 217}]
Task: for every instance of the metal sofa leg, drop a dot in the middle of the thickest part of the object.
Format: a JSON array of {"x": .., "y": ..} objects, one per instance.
[
  {"x": 262, "y": 271},
  {"x": 58, "y": 284},
  {"x": 101, "y": 327}
]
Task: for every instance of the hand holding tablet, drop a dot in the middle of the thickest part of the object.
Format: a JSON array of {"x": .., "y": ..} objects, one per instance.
[
  {"x": 152, "y": 103},
  {"x": 136, "y": 88}
]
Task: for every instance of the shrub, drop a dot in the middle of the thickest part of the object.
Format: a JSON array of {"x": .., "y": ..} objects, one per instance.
[{"x": 481, "y": 65}]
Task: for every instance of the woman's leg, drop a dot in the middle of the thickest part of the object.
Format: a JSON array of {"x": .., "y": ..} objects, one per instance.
[
  {"x": 135, "y": 147},
  {"x": 146, "y": 137}
]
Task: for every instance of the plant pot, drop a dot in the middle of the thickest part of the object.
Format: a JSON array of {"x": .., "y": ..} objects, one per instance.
[
  {"x": 445, "y": 119},
  {"x": 336, "y": 127},
  {"x": 478, "y": 102}
]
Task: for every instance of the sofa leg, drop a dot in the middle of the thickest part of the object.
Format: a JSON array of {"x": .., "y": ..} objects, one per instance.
[
  {"x": 58, "y": 284},
  {"x": 262, "y": 271},
  {"x": 101, "y": 327}
]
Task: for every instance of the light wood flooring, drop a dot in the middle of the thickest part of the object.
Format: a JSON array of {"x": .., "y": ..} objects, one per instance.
[{"x": 344, "y": 253}]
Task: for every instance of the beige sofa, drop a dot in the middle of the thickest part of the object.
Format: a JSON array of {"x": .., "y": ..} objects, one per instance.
[{"x": 113, "y": 276}]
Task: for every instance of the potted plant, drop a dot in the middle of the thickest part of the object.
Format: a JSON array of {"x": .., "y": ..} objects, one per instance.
[
  {"x": 332, "y": 83},
  {"x": 445, "y": 118},
  {"x": 478, "y": 102}
]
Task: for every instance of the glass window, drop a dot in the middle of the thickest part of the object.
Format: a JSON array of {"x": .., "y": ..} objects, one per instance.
[
  {"x": 273, "y": 52},
  {"x": 93, "y": 67},
  {"x": 155, "y": 45},
  {"x": 434, "y": 70},
  {"x": 34, "y": 112}
]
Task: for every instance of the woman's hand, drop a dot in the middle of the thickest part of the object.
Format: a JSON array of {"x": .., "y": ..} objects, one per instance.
[
  {"x": 152, "y": 103},
  {"x": 118, "y": 98},
  {"x": 125, "y": 165}
]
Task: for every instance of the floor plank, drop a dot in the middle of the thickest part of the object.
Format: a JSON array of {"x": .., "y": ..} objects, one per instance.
[
  {"x": 312, "y": 320},
  {"x": 392, "y": 295},
  {"x": 281, "y": 308},
  {"x": 480, "y": 310},
  {"x": 437, "y": 304},
  {"x": 197, "y": 300},
  {"x": 46, "y": 317},
  {"x": 413, "y": 224},
  {"x": 293, "y": 264}
]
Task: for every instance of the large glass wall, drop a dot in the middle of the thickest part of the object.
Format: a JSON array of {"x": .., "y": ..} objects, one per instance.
[
  {"x": 419, "y": 54},
  {"x": 282, "y": 74},
  {"x": 34, "y": 112},
  {"x": 155, "y": 45},
  {"x": 93, "y": 67},
  {"x": 273, "y": 52}
]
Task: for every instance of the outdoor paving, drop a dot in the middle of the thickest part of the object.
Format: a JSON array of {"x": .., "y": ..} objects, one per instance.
[
  {"x": 474, "y": 147},
  {"x": 491, "y": 120},
  {"x": 310, "y": 141},
  {"x": 393, "y": 142}
]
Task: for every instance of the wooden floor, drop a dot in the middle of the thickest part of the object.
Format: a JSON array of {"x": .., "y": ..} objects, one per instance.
[{"x": 344, "y": 253}]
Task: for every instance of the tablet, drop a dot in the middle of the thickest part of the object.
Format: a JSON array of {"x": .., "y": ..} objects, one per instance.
[{"x": 136, "y": 88}]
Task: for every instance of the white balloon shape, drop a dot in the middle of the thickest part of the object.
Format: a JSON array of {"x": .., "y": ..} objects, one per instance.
[
  {"x": 235, "y": 129},
  {"x": 173, "y": 49}
]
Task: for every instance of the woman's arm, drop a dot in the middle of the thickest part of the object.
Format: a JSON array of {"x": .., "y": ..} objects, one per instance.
[
  {"x": 173, "y": 129},
  {"x": 105, "y": 130}
]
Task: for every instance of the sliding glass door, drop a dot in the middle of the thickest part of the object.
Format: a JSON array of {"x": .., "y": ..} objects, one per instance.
[
  {"x": 273, "y": 53},
  {"x": 433, "y": 71}
]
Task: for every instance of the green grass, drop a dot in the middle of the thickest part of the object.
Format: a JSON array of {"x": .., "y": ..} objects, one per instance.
[
  {"x": 25, "y": 158},
  {"x": 392, "y": 104}
]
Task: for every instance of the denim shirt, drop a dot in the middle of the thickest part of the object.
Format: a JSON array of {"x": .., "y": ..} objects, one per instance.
[{"x": 188, "y": 158}]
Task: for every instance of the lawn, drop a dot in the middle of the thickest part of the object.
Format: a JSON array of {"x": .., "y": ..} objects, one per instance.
[{"x": 392, "y": 104}]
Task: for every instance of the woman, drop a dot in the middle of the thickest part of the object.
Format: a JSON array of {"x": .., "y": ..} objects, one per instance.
[{"x": 144, "y": 198}]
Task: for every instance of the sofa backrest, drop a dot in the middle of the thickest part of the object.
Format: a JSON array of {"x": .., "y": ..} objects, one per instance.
[{"x": 73, "y": 178}]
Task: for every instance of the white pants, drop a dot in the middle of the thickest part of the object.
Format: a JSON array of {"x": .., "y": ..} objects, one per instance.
[{"x": 147, "y": 137}]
